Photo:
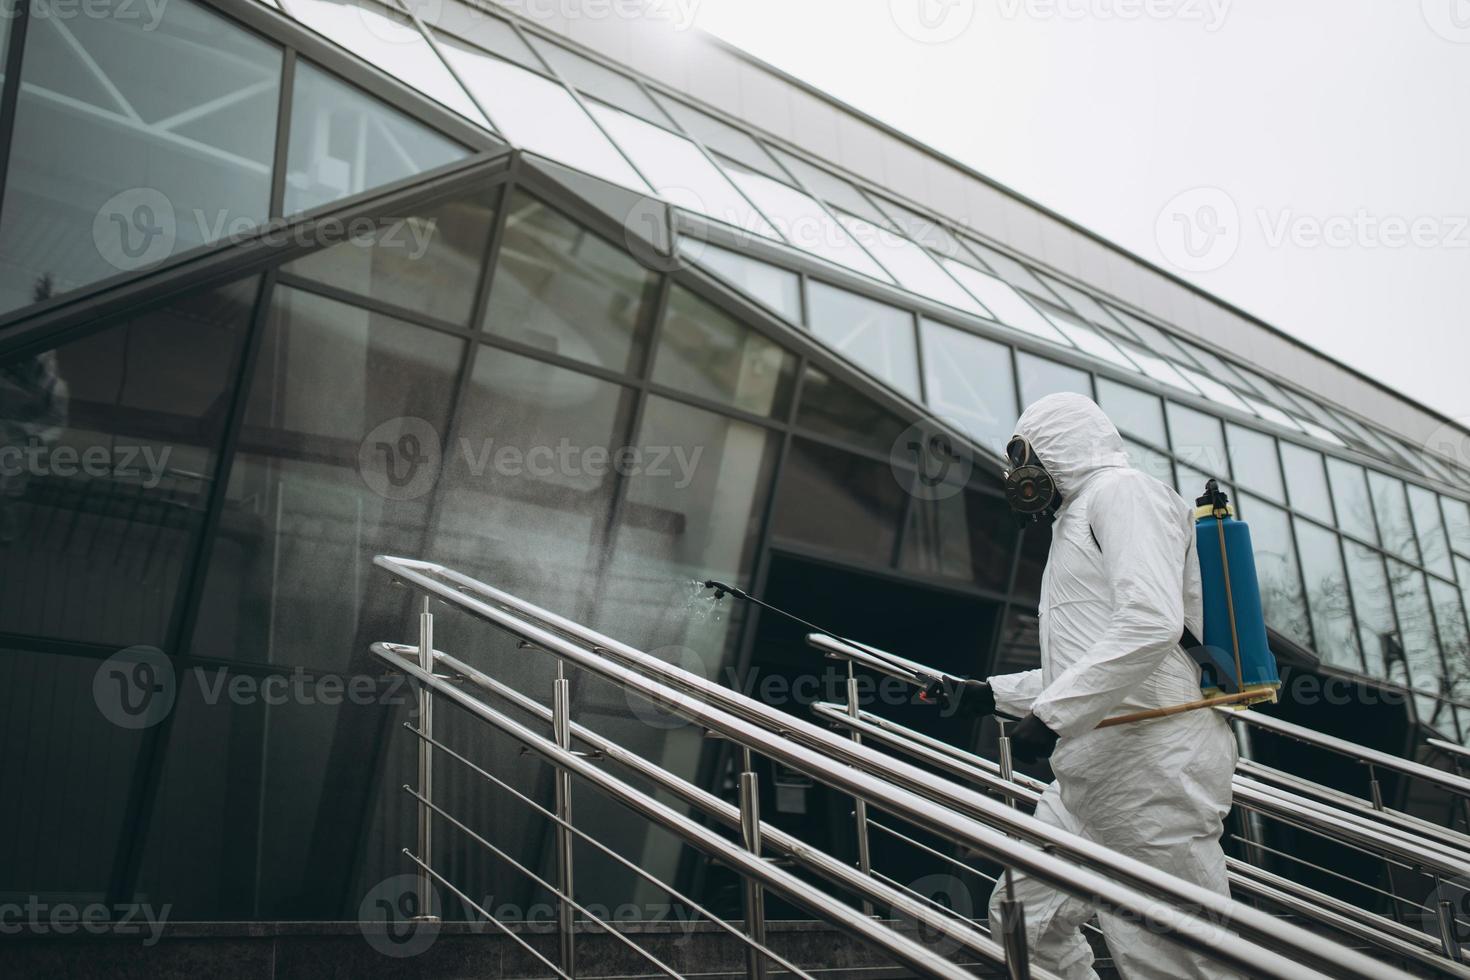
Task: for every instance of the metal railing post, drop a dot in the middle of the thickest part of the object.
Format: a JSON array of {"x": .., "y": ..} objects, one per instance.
[
  {"x": 859, "y": 807},
  {"x": 1012, "y": 913},
  {"x": 561, "y": 733},
  {"x": 1449, "y": 933},
  {"x": 755, "y": 897},
  {"x": 426, "y": 763}
]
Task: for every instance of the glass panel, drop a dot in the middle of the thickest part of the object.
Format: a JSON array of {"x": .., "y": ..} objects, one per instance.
[
  {"x": 108, "y": 445},
  {"x": 706, "y": 353},
  {"x": 875, "y": 337},
  {"x": 344, "y": 141},
  {"x": 1197, "y": 440},
  {"x": 1454, "y": 638},
  {"x": 1392, "y": 510},
  {"x": 1253, "y": 461},
  {"x": 1005, "y": 304},
  {"x": 968, "y": 383},
  {"x": 600, "y": 81},
  {"x": 1009, "y": 269},
  {"x": 1152, "y": 462},
  {"x": 720, "y": 136},
  {"x": 1315, "y": 430},
  {"x": 778, "y": 288},
  {"x": 1270, "y": 413},
  {"x": 1190, "y": 483},
  {"x": 1327, "y": 595},
  {"x": 538, "y": 114},
  {"x": 1371, "y": 600},
  {"x": 1080, "y": 301},
  {"x": 803, "y": 221},
  {"x": 429, "y": 263},
  {"x": 836, "y": 410},
  {"x": 341, "y": 447},
  {"x": 1434, "y": 547},
  {"x": 1132, "y": 411},
  {"x": 918, "y": 228},
  {"x": 968, "y": 535},
  {"x": 1350, "y": 493},
  {"x": 1276, "y": 567},
  {"x": 1215, "y": 391},
  {"x": 679, "y": 172},
  {"x": 829, "y": 186},
  {"x": 560, "y": 288},
  {"x": 1417, "y": 638},
  {"x": 172, "y": 152},
  {"x": 1040, "y": 377},
  {"x": 1306, "y": 481},
  {"x": 1457, "y": 519},
  {"x": 839, "y": 502},
  {"x": 1154, "y": 338},
  {"x": 1157, "y": 368},
  {"x": 388, "y": 40},
  {"x": 913, "y": 267},
  {"x": 484, "y": 30},
  {"x": 1086, "y": 338}
]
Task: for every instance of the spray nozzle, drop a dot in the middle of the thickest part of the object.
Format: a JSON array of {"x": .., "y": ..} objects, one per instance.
[{"x": 721, "y": 589}]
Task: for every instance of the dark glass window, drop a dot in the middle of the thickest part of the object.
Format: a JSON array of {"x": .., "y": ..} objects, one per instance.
[
  {"x": 1371, "y": 601},
  {"x": 876, "y": 337},
  {"x": 1429, "y": 529},
  {"x": 562, "y": 289},
  {"x": 705, "y": 352},
  {"x": 968, "y": 535},
  {"x": 427, "y": 262},
  {"x": 1327, "y": 595},
  {"x": 1392, "y": 509},
  {"x": 1276, "y": 567},
  {"x": 837, "y": 410},
  {"x": 1421, "y": 667},
  {"x": 838, "y": 502},
  {"x": 136, "y": 137}
]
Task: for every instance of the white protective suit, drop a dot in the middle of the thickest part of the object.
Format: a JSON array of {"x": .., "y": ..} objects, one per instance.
[{"x": 1112, "y": 613}]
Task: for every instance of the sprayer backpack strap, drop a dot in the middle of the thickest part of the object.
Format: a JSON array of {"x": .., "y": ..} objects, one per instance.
[{"x": 1187, "y": 639}]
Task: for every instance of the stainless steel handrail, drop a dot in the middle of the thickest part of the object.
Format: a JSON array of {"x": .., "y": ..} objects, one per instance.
[
  {"x": 1450, "y": 747},
  {"x": 904, "y": 950},
  {"x": 1384, "y": 933},
  {"x": 1107, "y": 879},
  {"x": 962, "y": 933}
]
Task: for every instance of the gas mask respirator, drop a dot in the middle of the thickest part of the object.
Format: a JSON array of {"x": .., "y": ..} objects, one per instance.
[{"x": 1030, "y": 489}]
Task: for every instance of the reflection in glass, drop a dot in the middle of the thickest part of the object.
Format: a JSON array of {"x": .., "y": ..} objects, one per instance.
[
  {"x": 1376, "y": 625},
  {"x": 1420, "y": 667},
  {"x": 1253, "y": 461},
  {"x": 1350, "y": 494},
  {"x": 1197, "y": 440},
  {"x": 1215, "y": 391},
  {"x": 538, "y": 114},
  {"x": 828, "y": 186},
  {"x": 1391, "y": 508},
  {"x": 429, "y": 263},
  {"x": 1306, "y": 481},
  {"x": 1454, "y": 638},
  {"x": 967, "y": 380},
  {"x": 679, "y": 171},
  {"x": 390, "y": 41},
  {"x": 704, "y": 352},
  {"x": 1429, "y": 528},
  {"x": 135, "y": 138},
  {"x": 831, "y": 408},
  {"x": 1327, "y": 595},
  {"x": 961, "y": 535},
  {"x": 918, "y": 228},
  {"x": 1041, "y": 377},
  {"x": 1276, "y": 568},
  {"x": 914, "y": 268},
  {"x": 1134, "y": 412},
  {"x": 1457, "y": 521},
  {"x": 1006, "y": 306},
  {"x": 778, "y": 288},
  {"x": 344, "y": 141},
  {"x": 1157, "y": 368},
  {"x": 1087, "y": 338},
  {"x": 562, "y": 289},
  {"x": 874, "y": 336},
  {"x": 838, "y": 502},
  {"x": 803, "y": 221}
]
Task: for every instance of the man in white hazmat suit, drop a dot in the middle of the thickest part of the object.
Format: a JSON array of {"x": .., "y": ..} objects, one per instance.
[{"x": 1122, "y": 582}]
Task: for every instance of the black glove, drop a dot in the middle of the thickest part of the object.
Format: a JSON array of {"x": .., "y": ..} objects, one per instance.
[
  {"x": 960, "y": 696},
  {"x": 1031, "y": 740}
]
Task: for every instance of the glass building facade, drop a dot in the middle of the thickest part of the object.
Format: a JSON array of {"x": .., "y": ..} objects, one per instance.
[{"x": 289, "y": 285}]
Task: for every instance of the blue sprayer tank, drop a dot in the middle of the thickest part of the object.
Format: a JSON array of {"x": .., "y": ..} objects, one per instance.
[{"x": 1232, "y": 606}]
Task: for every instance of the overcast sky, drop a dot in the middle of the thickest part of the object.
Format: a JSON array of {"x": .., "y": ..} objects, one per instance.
[{"x": 1307, "y": 160}]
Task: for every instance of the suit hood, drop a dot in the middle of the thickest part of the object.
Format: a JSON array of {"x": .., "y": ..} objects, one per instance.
[{"x": 1073, "y": 438}]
